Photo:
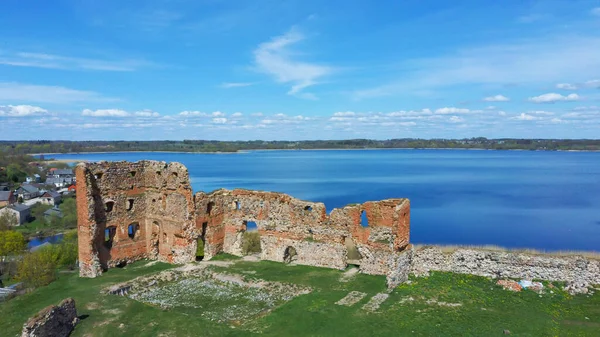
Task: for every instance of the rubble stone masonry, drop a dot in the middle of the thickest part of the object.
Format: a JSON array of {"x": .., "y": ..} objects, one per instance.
[{"x": 146, "y": 210}]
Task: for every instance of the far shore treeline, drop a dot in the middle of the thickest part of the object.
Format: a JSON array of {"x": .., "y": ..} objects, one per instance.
[{"x": 43, "y": 146}]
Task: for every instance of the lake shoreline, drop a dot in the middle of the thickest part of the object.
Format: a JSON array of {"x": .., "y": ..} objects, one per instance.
[{"x": 265, "y": 150}]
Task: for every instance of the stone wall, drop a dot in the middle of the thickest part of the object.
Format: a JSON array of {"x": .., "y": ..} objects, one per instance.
[
  {"x": 156, "y": 199},
  {"x": 131, "y": 211},
  {"x": 577, "y": 271},
  {"x": 287, "y": 224},
  {"x": 53, "y": 321}
]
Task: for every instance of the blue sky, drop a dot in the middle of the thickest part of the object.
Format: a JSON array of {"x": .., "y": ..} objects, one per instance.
[{"x": 298, "y": 69}]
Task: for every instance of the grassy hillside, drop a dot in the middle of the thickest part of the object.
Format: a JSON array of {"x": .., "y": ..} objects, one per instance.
[{"x": 442, "y": 304}]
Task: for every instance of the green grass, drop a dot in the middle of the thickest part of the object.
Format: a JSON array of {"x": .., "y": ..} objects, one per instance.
[{"x": 416, "y": 309}]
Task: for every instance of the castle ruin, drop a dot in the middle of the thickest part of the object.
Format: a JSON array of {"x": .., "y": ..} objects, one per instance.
[{"x": 147, "y": 210}]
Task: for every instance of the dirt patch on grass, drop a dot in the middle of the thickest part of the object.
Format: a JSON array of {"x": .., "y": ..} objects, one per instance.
[{"x": 351, "y": 298}]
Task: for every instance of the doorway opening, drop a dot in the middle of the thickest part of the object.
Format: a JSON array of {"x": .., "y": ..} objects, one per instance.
[{"x": 290, "y": 255}]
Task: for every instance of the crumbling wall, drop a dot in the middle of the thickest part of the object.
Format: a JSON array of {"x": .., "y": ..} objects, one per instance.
[
  {"x": 130, "y": 211},
  {"x": 52, "y": 321},
  {"x": 288, "y": 224},
  {"x": 578, "y": 271},
  {"x": 156, "y": 198}
]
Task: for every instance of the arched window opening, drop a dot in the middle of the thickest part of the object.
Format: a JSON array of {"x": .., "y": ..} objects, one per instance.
[
  {"x": 109, "y": 206},
  {"x": 308, "y": 208},
  {"x": 129, "y": 204},
  {"x": 109, "y": 236},
  {"x": 290, "y": 255},
  {"x": 238, "y": 206},
  {"x": 364, "y": 221},
  {"x": 133, "y": 230},
  {"x": 209, "y": 207}
]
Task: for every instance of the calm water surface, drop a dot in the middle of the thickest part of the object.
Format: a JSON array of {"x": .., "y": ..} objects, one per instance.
[{"x": 543, "y": 200}]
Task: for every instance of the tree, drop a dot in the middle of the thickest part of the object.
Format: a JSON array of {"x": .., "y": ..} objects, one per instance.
[
  {"x": 69, "y": 210},
  {"x": 11, "y": 243},
  {"x": 37, "y": 269},
  {"x": 7, "y": 220}
]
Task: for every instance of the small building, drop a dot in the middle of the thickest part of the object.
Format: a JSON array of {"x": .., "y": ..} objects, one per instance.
[
  {"x": 34, "y": 179},
  {"x": 63, "y": 173},
  {"x": 7, "y": 198},
  {"x": 4, "y": 187},
  {"x": 72, "y": 188},
  {"x": 54, "y": 211},
  {"x": 51, "y": 198},
  {"x": 59, "y": 181},
  {"x": 21, "y": 211},
  {"x": 27, "y": 191}
]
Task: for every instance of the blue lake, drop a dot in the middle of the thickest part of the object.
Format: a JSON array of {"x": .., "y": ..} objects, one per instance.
[{"x": 543, "y": 200}]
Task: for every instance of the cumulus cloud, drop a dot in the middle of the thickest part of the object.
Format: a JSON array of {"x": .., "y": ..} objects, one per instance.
[
  {"x": 105, "y": 113},
  {"x": 497, "y": 98},
  {"x": 275, "y": 59},
  {"x": 218, "y": 114},
  {"x": 525, "y": 117},
  {"x": 553, "y": 97},
  {"x": 21, "y": 110},
  {"x": 566, "y": 86},
  {"x": 193, "y": 114},
  {"x": 451, "y": 110},
  {"x": 147, "y": 113},
  {"x": 344, "y": 113},
  {"x": 118, "y": 113},
  {"x": 228, "y": 85},
  {"x": 219, "y": 120}
]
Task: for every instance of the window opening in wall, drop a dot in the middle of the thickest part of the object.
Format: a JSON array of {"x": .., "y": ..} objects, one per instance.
[
  {"x": 251, "y": 226},
  {"x": 351, "y": 248},
  {"x": 250, "y": 238},
  {"x": 238, "y": 205},
  {"x": 129, "y": 204},
  {"x": 165, "y": 238},
  {"x": 109, "y": 206},
  {"x": 154, "y": 239},
  {"x": 158, "y": 173},
  {"x": 133, "y": 230},
  {"x": 364, "y": 221},
  {"x": 308, "y": 208},
  {"x": 209, "y": 207},
  {"x": 109, "y": 236},
  {"x": 153, "y": 200},
  {"x": 132, "y": 173},
  {"x": 98, "y": 175},
  {"x": 290, "y": 255}
]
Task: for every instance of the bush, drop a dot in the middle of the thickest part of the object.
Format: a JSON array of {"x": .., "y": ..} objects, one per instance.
[
  {"x": 251, "y": 243},
  {"x": 37, "y": 269}
]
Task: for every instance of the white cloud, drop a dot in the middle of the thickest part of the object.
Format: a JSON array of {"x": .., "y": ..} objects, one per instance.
[
  {"x": 219, "y": 120},
  {"x": 344, "y": 113},
  {"x": 553, "y": 97},
  {"x": 257, "y": 114},
  {"x": 502, "y": 113},
  {"x": 41, "y": 60},
  {"x": 456, "y": 119},
  {"x": 193, "y": 114},
  {"x": 105, "y": 113},
  {"x": 275, "y": 59},
  {"x": 218, "y": 114},
  {"x": 451, "y": 110},
  {"x": 228, "y": 85},
  {"x": 21, "y": 111},
  {"x": 237, "y": 114},
  {"x": 566, "y": 86},
  {"x": 10, "y": 91},
  {"x": 593, "y": 84},
  {"x": 595, "y": 11},
  {"x": 544, "y": 113},
  {"x": 557, "y": 120},
  {"x": 525, "y": 117},
  {"x": 146, "y": 113},
  {"x": 497, "y": 98}
]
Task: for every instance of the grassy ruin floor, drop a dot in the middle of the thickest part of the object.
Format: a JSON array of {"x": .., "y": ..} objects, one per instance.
[{"x": 442, "y": 304}]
